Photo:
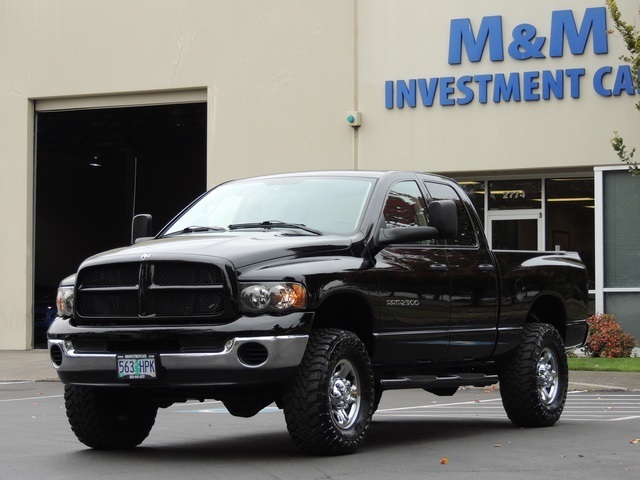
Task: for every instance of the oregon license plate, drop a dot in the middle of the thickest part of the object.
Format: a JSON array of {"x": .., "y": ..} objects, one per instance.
[{"x": 137, "y": 366}]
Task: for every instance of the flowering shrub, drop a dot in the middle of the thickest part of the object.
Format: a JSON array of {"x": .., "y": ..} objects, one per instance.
[{"x": 607, "y": 338}]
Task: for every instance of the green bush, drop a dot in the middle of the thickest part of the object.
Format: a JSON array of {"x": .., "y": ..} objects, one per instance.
[{"x": 606, "y": 338}]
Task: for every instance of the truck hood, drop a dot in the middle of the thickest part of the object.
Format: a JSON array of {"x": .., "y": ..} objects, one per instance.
[{"x": 240, "y": 248}]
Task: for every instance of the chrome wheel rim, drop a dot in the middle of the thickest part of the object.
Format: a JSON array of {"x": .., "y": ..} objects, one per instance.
[
  {"x": 344, "y": 395},
  {"x": 547, "y": 376}
]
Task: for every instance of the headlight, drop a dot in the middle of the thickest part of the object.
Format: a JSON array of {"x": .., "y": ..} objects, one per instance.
[
  {"x": 64, "y": 301},
  {"x": 273, "y": 297}
]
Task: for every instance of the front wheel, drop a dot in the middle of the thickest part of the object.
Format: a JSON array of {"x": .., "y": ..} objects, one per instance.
[
  {"x": 534, "y": 380},
  {"x": 104, "y": 418},
  {"x": 329, "y": 403}
]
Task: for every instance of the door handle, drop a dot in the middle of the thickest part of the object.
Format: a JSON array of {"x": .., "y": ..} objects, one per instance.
[
  {"x": 438, "y": 267},
  {"x": 486, "y": 267}
]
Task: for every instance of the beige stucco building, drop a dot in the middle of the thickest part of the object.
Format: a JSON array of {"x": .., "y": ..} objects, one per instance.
[{"x": 517, "y": 100}]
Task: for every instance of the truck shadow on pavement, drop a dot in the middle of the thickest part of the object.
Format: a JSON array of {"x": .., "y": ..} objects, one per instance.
[{"x": 385, "y": 435}]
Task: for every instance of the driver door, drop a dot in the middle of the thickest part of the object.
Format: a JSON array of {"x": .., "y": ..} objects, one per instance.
[{"x": 414, "y": 307}]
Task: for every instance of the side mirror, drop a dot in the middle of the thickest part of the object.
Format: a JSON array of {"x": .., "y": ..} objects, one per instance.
[
  {"x": 443, "y": 215},
  {"x": 387, "y": 236},
  {"x": 141, "y": 227}
]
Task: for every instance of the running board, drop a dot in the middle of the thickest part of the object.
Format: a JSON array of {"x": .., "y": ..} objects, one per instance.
[{"x": 434, "y": 381}]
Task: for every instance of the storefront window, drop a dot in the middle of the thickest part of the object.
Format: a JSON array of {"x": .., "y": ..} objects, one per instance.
[
  {"x": 515, "y": 194},
  {"x": 618, "y": 289},
  {"x": 621, "y": 230},
  {"x": 475, "y": 191},
  {"x": 567, "y": 220},
  {"x": 626, "y": 308},
  {"x": 570, "y": 219},
  {"x": 516, "y": 234}
]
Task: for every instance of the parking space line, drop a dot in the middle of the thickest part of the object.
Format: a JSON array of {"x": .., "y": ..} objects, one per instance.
[
  {"x": 440, "y": 405},
  {"x": 604, "y": 395},
  {"x": 30, "y": 398},
  {"x": 193, "y": 403},
  {"x": 624, "y": 418},
  {"x": 602, "y": 407}
]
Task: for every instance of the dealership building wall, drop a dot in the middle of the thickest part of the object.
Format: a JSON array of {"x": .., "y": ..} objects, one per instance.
[{"x": 345, "y": 84}]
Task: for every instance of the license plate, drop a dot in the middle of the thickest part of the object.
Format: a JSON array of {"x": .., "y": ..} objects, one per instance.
[{"x": 136, "y": 366}]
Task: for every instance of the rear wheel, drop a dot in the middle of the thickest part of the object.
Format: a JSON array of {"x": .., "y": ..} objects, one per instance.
[
  {"x": 329, "y": 403},
  {"x": 105, "y": 418},
  {"x": 534, "y": 381}
]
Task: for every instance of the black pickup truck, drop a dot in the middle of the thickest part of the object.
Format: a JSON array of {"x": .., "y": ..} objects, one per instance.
[{"x": 317, "y": 291}]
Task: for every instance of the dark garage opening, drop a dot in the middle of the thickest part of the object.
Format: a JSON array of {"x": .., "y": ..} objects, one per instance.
[{"x": 95, "y": 169}]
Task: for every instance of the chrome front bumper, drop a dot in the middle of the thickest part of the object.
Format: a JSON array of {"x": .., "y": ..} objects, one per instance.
[{"x": 283, "y": 353}]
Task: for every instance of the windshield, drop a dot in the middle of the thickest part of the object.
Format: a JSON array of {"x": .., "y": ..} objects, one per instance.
[{"x": 327, "y": 204}]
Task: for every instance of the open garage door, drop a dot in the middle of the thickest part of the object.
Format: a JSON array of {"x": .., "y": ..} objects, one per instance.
[{"x": 95, "y": 169}]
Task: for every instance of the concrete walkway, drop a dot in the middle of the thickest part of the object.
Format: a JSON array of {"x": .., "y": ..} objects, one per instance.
[{"x": 34, "y": 365}]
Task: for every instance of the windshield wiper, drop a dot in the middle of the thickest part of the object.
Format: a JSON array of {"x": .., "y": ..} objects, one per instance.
[
  {"x": 195, "y": 228},
  {"x": 274, "y": 224}
]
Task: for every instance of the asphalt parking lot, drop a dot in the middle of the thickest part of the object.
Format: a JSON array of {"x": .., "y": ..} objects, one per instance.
[{"x": 414, "y": 435}]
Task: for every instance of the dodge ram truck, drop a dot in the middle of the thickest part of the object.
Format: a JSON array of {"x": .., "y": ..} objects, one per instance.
[{"x": 316, "y": 291}]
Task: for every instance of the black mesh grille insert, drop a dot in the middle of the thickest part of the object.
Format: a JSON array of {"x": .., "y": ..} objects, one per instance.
[
  {"x": 132, "y": 291},
  {"x": 187, "y": 302},
  {"x": 108, "y": 304},
  {"x": 186, "y": 274},
  {"x": 118, "y": 275}
]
